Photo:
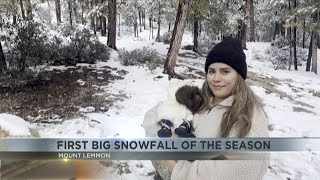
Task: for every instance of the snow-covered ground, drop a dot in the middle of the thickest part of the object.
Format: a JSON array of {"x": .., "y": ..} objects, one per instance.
[{"x": 293, "y": 107}]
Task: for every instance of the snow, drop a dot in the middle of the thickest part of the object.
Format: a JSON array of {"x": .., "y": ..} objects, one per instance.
[
  {"x": 81, "y": 82},
  {"x": 142, "y": 91},
  {"x": 14, "y": 125}
]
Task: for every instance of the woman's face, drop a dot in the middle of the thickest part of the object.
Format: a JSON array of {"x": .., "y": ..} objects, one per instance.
[{"x": 221, "y": 79}]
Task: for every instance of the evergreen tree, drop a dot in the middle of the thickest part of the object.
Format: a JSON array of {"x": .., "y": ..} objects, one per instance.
[{"x": 176, "y": 39}]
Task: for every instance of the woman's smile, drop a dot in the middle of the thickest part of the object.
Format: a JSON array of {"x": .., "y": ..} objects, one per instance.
[
  {"x": 221, "y": 80},
  {"x": 217, "y": 88}
]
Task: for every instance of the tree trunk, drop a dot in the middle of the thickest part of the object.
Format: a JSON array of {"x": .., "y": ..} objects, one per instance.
[
  {"x": 289, "y": 29},
  {"x": 276, "y": 30},
  {"x": 150, "y": 19},
  {"x": 195, "y": 34},
  {"x": 295, "y": 60},
  {"x": 140, "y": 21},
  {"x": 317, "y": 22},
  {"x": 304, "y": 33},
  {"x": 104, "y": 26},
  {"x": 135, "y": 28},
  {"x": 98, "y": 23},
  {"x": 70, "y": 12},
  {"x": 82, "y": 10},
  {"x": 22, "y": 10},
  {"x": 3, "y": 64},
  {"x": 289, "y": 37},
  {"x": 315, "y": 18},
  {"x": 252, "y": 24},
  {"x": 152, "y": 26},
  {"x": 119, "y": 24},
  {"x": 176, "y": 39},
  {"x": 22, "y": 62},
  {"x": 58, "y": 11},
  {"x": 98, "y": 19},
  {"x": 29, "y": 10},
  {"x": 290, "y": 47},
  {"x": 309, "y": 54},
  {"x": 1, "y": 23},
  {"x": 112, "y": 24},
  {"x": 75, "y": 12},
  {"x": 93, "y": 25},
  {"x": 14, "y": 19},
  {"x": 289, "y": 33},
  {"x": 239, "y": 28},
  {"x": 49, "y": 11},
  {"x": 243, "y": 36},
  {"x": 318, "y": 42},
  {"x": 144, "y": 19},
  {"x": 14, "y": 12},
  {"x": 159, "y": 22},
  {"x": 92, "y": 19},
  {"x": 200, "y": 26},
  {"x": 282, "y": 28},
  {"x": 314, "y": 51}
]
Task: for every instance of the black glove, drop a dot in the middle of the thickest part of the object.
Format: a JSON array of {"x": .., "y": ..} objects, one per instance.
[
  {"x": 165, "y": 130},
  {"x": 184, "y": 130}
]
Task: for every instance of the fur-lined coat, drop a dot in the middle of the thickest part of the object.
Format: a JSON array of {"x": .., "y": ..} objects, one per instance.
[{"x": 207, "y": 124}]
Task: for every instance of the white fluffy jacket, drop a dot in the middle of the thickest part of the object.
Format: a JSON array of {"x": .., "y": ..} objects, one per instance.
[
  {"x": 207, "y": 124},
  {"x": 171, "y": 109}
]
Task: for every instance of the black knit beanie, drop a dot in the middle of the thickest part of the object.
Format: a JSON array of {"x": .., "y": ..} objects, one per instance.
[{"x": 228, "y": 51}]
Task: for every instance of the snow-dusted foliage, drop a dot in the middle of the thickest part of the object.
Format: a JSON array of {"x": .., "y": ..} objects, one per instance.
[
  {"x": 140, "y": 57},
  {"x": 29, "y": 45},
  {"x": 205, "y": 45},
  {"x": 279, "y": 53},
  {"x": 25, "y": 45},
  {"x": 302, "y": 55},
  {"x": 264, "y": 21},
  {"x": 218, "y": 22},
  {"x": 81, "y": 47},
  {"x": 165, "y": 38}
]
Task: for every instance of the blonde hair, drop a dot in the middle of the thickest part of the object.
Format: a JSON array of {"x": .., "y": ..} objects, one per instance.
[{"x": 239, "y": 116}]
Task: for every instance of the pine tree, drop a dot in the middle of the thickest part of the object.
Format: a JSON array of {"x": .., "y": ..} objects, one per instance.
[
  {"x": 198, "y": 9},
  {"x": 29, "y": 10},
  {"x": 22, "y": 10},
  {"x": 176, "y": 39},
  {"x": 58, "y": 11},
  {"x": 3, "y": 64},
  {"x": 112, "y": 23},
  {"x": 252, "y": 23},
  {"x": 70, "y": 12}
]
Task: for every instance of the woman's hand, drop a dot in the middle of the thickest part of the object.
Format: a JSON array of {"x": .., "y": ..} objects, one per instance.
[
  {"x": 165, "y": 130},
  {"x": 164, "y": 167},
  {"x": 170, "y": 164},
  {"x": 184, "y": 130}
]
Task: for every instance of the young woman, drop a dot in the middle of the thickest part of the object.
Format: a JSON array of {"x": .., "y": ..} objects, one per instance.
[{"x": 230, "y": 109}]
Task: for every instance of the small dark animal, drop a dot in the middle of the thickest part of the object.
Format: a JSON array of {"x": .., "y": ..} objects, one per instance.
[{"x": 190, "y": 96}]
